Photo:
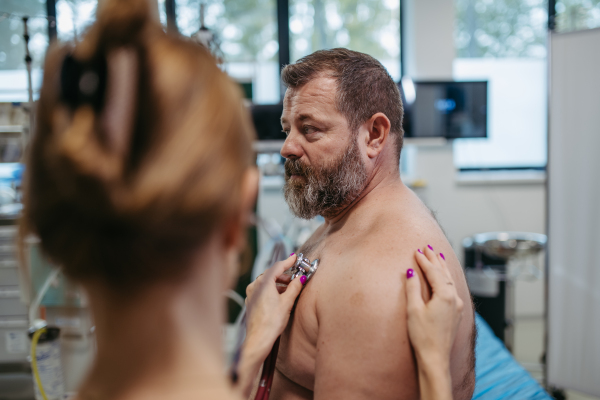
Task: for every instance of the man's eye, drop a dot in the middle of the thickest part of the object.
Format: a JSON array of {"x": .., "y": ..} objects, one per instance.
[
  {"x": 287, "y": 133},
  {"x": 308, "y": 130}
]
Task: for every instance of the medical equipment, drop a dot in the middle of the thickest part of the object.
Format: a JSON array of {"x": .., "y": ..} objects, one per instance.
[
  {"x": 303, "y": 267},
  {"x": 45, "y": 362},
  {"x": 494, "y": 261},
  {"x": 450, "y": 110},
  {"x": 208, "y": 38},
  {"x": 56, "y": 303}
]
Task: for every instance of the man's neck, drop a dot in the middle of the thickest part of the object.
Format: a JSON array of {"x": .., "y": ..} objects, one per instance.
[{"x": 382, "y": 179}]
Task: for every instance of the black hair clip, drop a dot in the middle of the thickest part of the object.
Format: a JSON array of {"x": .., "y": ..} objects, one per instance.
[{"x": 83, "y": 82}]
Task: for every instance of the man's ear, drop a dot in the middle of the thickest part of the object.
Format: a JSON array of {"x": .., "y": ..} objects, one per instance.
[{"x": 378, "y": 127}]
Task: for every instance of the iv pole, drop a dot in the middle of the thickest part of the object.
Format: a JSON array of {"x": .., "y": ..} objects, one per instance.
[{"x": 29, "y": 79}]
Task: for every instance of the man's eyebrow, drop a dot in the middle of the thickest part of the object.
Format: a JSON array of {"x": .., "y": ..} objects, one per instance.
[
  {"x": 304, "y": 117},
  {"x": 301, "y": 117}
]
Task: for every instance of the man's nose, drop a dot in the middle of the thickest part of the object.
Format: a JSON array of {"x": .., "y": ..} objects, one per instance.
[{"x": 291, "y": 148}]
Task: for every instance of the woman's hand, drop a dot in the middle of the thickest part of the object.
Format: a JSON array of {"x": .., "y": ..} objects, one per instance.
[
  {"x": 267, "y": 314},
  {"x": 432, "y": 325},
  {"x": 268, "y": 311}
]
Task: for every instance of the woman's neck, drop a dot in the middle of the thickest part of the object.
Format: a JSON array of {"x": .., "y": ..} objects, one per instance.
[{"x": 164, "y": 342}]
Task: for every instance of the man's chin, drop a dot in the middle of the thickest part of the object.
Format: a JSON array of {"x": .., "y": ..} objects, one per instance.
[
  {"x": 296, "y": 179},
  {"x": 303, "y": 214},
  {"x": 294, "y": 198}
]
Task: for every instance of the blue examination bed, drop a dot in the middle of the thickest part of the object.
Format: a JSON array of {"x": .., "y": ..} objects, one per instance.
[{"x": 497, "y": 374}]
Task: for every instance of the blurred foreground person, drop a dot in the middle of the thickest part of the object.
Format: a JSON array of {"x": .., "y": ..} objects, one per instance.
[{"x": 140, "y": 183}]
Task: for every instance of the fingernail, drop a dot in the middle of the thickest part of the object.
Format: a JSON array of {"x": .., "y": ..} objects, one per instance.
[
  {"x": 410, "y": 273},
  {"x": 419, "y": 250},
  {"x": 430, "y": 248},
  {"x": 442, "y": 255},
  {"x": 303, "y": 280},
  {"x": 292, "y": 254}
]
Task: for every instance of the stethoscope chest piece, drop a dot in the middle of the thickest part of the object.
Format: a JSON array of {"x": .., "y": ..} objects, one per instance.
[{"x": 303, "y": 267}]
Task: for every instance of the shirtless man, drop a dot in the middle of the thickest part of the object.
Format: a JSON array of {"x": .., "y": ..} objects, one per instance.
[{"x": 347, "y": 337}]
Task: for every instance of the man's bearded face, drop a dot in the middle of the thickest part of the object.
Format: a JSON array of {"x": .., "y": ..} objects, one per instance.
[{"x": 326, "y": 189}]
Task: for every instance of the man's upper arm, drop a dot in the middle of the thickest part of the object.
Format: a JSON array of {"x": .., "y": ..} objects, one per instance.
[{"x": 363, "y": 351}]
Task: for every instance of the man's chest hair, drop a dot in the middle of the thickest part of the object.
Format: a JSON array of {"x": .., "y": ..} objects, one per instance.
[{"x": 309, "y": 248}]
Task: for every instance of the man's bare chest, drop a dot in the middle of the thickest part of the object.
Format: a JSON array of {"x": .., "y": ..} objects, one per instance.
[{"x": 298, "y": 346}]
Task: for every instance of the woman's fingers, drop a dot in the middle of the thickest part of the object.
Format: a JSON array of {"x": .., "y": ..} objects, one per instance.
[
  {"x": 432, "y": 272},
  {"x": 413, "y": 290},
  {"x": 430, "y": 254},
  {"x": 250, "y": 289},
  {"x": 284, "y": 278},
  {"x": 445, "y": 268},
  {"x": 280, "y": 267},
  {"x": 291, "y": 293}
]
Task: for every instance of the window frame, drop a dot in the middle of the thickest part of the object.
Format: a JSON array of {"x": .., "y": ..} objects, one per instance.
[
  {"x": 283, "y": 25},
  {"x": 283, "y": 30}
]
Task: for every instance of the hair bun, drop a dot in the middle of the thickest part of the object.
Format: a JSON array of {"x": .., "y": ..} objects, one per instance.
[
  {"x": 83, "y": 82},
  {"x": 121, "y": 21}
]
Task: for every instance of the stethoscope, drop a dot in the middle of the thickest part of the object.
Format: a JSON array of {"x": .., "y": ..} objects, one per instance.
[{"x": 302, "y": 267}]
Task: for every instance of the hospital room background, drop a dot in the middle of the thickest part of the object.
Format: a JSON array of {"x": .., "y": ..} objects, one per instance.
[{"x": 502, "y": 134}]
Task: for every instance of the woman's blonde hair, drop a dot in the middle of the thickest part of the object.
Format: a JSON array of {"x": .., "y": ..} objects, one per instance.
[{"x": 139, "y": 153}]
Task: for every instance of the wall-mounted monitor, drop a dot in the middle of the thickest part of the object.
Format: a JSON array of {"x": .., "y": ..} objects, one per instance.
[
  {"x": 450, "y": 110},
  {"x": 267, "y": 121}
]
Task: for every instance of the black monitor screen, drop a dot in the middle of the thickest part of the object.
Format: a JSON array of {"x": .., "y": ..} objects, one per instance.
[
  {"x": 267, "y": 121},
  {"x": 447, "y": 109}
]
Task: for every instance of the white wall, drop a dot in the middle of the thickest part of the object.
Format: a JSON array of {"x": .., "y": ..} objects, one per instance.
[{"x": 428, "y": 37}]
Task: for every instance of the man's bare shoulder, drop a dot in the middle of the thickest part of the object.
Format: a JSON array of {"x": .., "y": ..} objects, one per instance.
[
  {"x": 360, "y": 306},
  {"x": 391, "y": 230},
  {"x": 355, "y": 306}
]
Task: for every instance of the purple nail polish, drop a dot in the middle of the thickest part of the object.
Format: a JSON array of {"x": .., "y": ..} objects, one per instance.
[
  {"x": 419, "y": 250},
  {"x": 410, "y": 273},
  {"x": 430, "y": 248},
  {"x": 303, "y": 280},
  {"x": 442, "y": 255},
  {"x": 292, "y": 254}
]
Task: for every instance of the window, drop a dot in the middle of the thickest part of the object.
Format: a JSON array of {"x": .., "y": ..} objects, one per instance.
[
  {"x": 13, "y": 75},
  {"x": 574, "y": 15},
  {"x": 73, "y": 17},
  {"x": 247, "y": 31},
  {"x": 504, "y": 42},
  {"x": 368, "y": 26}
]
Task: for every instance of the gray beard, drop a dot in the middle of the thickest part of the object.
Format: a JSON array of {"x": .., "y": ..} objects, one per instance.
[{"x": 327, "y": 190}]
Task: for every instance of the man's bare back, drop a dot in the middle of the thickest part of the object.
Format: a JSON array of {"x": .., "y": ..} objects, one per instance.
[{"x": 347, "y": 337}]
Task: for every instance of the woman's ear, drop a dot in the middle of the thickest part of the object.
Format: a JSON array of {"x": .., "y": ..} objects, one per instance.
[
  {"x": 235, "y": 236},
  {"x": 249, "y": 192},
  {"x": 378, "y": 127},
  {"x": 236, "y": 231}
]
